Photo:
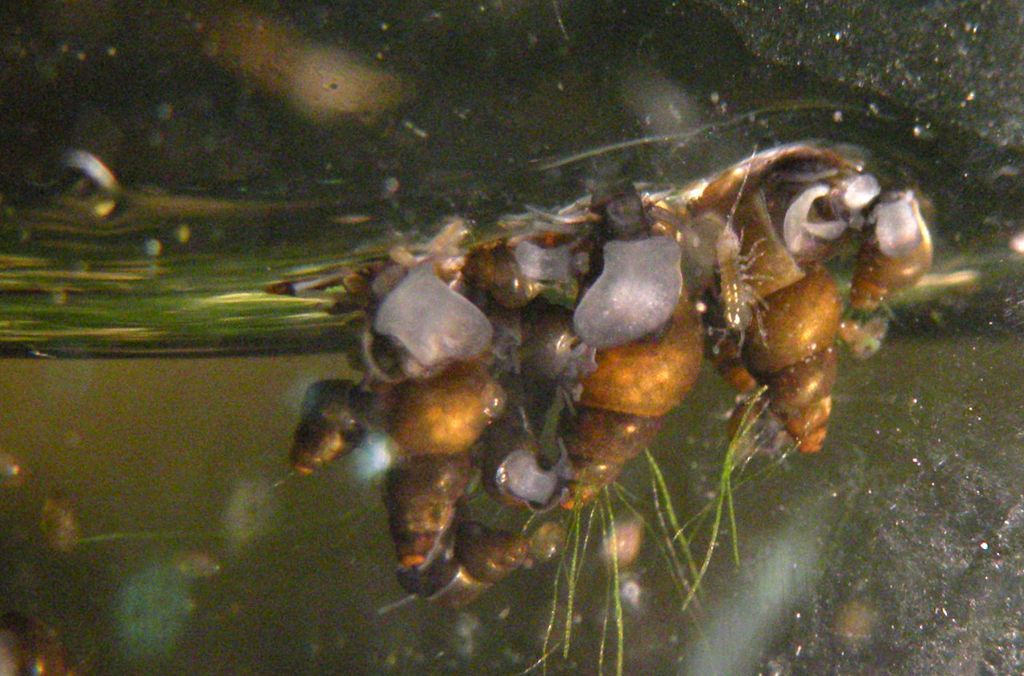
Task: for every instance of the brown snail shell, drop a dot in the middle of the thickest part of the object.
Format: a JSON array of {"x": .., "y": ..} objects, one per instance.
[
  {"x": 421, "y": 495},
  {"x": 810, "y": 426},
  {"x": 769, "y": 265},
  {"x": 487, "y": 554},
  {"x": 331, "y": 425},
  {"x": 798, "y": 158},
  {"x": 650, "y": 376},
  {"x": 797, "y": 322},
  {"x": 477, "y": 558},
  {"x": 548, "y": 340},
  {"x": 546, "y": 353},
  {"x": 798, "y": 387},
  {"x": 876, "y": 275},
  {"x": 599, "y": 442},
  {"x": 725, "y": 356},
  {"x": 493, "y": 268},
  {"x": 444, "y": 414}
]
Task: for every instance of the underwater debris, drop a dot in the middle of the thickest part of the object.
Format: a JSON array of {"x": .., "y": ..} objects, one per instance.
[{"x": 59, "y": 524}]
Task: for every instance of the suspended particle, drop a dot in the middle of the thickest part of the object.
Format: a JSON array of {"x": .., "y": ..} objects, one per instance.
[
  {"x": 623, "y": 543},
  {"x": 249, "y": 511},
  {"x": 196, "y": 564},
  {"x": 12, "y": 473},
  {"x": 59, "y": 524},
  {"x": 546, "y": 542},
  {"x": 152, "y": 610}
]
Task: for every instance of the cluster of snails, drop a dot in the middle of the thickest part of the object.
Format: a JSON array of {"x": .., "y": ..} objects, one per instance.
[{"x": 598, "y": 317}]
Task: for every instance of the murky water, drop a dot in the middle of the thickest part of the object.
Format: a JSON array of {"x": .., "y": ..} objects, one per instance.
[{"x": 153, "y": 387}]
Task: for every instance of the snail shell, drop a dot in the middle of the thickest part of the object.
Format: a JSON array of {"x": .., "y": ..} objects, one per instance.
[
  {"x": 791, "y": 349},
  {"x": 493, "y": 268},
  {"x": 444, "y": 414},
  {"x": 900, "y": 230},
  {"x": 797, "y": 322},
  {"x": 728, "y": 361},
  {"x": 421, "y": 494},
  {"x": 513, "y": 471},
  {"x": 599, "y": 442},
  {"x": 331, "y": 425},
  {"x": 478, "y": 558},
  {"x": 649, "y": 377}
]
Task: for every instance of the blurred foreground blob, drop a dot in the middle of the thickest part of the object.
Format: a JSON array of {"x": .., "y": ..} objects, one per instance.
[
  {"x": 59, "y": 524},
  {"x": 28, "y": 648},
  {"x": 593, "y": 322},
  {"x": 195, "y": 564},
  {"x": 855, "y": 623},
  {"x": 623, "y": 542},
  {"x": 152, "y": 610},
  {"x": 322, "y": 82},
  {"x": 248, "y": 513}
]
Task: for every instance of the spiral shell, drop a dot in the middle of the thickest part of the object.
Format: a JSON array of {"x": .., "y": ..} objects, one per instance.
[
  {"x": 599, "y": 442},
  {"x": 908, "y": 242},
  {"x": 791, "y": 349},
  {"x": 648, "y": 377},
  {"x": 421, "y": 494},
  {"x": 331, "y": 425},
  {"x": 444, "y": 414},
  {"x": 797, "y": 322}
]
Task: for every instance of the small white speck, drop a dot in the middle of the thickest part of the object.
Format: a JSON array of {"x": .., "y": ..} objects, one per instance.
[
  {"x": 984, "y": 546},
  {"x": 416, "y": 131}
]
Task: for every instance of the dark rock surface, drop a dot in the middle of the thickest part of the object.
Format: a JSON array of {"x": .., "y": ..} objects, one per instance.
[{"x": 951, "y": 60}]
